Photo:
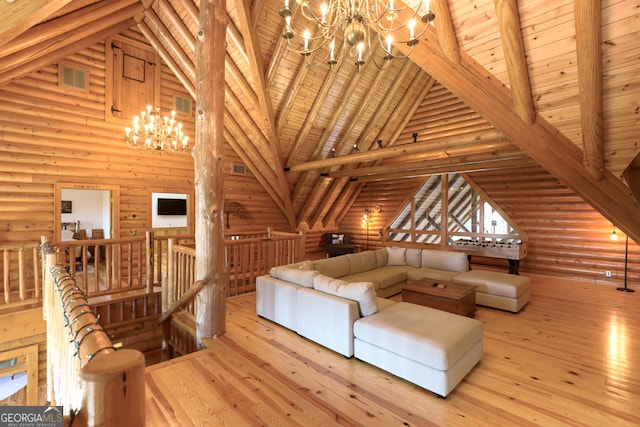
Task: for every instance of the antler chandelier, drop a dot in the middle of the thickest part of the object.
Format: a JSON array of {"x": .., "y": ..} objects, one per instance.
[
  {"x": 153, "y": 132},
  {"x": 363, "y": 23}
]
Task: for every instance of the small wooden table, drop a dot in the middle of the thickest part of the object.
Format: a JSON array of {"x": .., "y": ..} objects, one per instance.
[{"x": 447, "y": 296}]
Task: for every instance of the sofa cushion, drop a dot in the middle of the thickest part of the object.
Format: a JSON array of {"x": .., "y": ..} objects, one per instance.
[
  {"x": 445, "y": 260},
  {"x": 396, "y": 256},
  {"x": 333, "y": 267},
  {"x": 381, "y": 278},
  {"x": 413, "y": 257},
  {"x": 495, "y": 283},
  {"x": 432, "y": 274},
  {"x": 362, "y": 292},
  {"x": 428, "y": 336},
  {"x": 382, "y": 257},
  {"x": 363, "y": 261},
  {"x": 294, "y": 275}
]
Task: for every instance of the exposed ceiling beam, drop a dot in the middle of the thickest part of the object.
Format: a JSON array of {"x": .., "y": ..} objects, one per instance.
[
  {"x": 515, "y": 58},
  {"x": 341, "y": 186},
  {"x": 344, "y": 138},
  {"x": 364, "y": 140},
  {"x": 464, "y": 155},
  {"x": 60, "y": 47},
  {"x": 20, "y": 16},
  {"x": 402, "y": 150},
  {"x": 484, "y": 166},
  {"x": 183, "y": 78},
  {"x": 588, "y": 18},
  {"x": 44, "y": 39},
  {"x": 555, "y": 152},
  {"x": 444, "y": 26},
  {"x": 252, "y": 47}
]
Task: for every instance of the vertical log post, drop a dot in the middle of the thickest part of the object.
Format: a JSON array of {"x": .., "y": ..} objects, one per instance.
[{"x": 209, "y": 177}]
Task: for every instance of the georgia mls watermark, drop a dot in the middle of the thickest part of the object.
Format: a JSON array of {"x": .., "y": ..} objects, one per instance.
[{"x": 31, "y": 416}]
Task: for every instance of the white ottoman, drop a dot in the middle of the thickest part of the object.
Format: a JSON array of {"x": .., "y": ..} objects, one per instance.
[
  {"x": 497, "y": 290},
  {"x": 431, "y": 348}
]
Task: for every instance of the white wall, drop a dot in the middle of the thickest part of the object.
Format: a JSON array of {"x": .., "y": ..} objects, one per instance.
[
  {"x": 90, "y": 207},
  {"x": 166, "y": 221}
]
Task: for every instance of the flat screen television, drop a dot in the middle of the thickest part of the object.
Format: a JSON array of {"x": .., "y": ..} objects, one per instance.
[{"x": 172, "y": 206}]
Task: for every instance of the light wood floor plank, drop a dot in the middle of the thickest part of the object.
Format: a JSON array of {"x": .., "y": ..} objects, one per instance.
[{"x": 567, "y": 359}]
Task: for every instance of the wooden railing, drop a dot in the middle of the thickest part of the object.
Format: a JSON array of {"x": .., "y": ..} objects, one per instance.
[
  {"x": 86, "y": 375},
  {"x": 247, "y": 258},
  {"x": 21, "y": 273},
  {"x": 104, "y": 266}
]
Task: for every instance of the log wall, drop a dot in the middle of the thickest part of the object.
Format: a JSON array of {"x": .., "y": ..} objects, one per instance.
[
  {"x": 51, "y": 133},
  {"x": 567, "y": 237}
]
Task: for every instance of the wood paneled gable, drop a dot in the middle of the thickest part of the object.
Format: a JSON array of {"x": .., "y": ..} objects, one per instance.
[{"x": 496, "y": 86}]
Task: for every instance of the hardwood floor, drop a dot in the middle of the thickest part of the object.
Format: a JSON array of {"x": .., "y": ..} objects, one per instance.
[{"x": 570, "y": 358}]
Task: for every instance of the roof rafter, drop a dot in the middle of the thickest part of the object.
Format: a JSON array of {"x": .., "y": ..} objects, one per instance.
[
  {"x": 18, "y": 17},
  {"x": 257, "y": 71}
]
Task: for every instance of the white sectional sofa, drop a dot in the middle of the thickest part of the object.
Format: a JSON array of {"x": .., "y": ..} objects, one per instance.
[
  {"x": 431, "y": 348},
  {"x": 337, "y": 302}
]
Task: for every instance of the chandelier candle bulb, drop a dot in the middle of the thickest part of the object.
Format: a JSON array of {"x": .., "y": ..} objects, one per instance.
[
  {"x": 360, "y": 23},
  {"x": 160, "y": 133}
]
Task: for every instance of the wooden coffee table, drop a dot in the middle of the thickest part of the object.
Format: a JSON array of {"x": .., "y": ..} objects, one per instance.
[{"x": 447, "y": 296}]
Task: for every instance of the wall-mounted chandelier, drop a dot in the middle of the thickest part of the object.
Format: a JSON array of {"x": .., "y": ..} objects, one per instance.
[
  {"x": 153, "y": 132},
  {"x": 359, "y": 25}
]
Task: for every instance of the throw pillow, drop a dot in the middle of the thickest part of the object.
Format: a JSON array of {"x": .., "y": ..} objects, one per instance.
[
  {"x": 294, "y": 275},
  {"x": 337, "y": 239},
  {"x": 362, "y": 292},
  {"x": 396, "y": 256},
  {"x": 382, "y": 257},
  {"x": 413, "y": 257}
]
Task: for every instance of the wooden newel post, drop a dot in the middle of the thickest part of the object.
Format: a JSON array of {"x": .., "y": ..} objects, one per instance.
[
  {"x": 209, "y": 174},
  {"x": 114, "y": 394}
]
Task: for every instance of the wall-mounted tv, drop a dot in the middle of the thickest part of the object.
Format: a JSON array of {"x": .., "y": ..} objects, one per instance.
[{"x": 172, "y": 206}]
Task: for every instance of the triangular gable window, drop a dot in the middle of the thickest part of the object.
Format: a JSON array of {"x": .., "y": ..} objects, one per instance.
[{"x": 469, "y": 214}]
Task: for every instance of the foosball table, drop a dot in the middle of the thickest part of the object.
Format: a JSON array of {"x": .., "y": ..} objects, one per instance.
[{"x": 512, "y": 250}]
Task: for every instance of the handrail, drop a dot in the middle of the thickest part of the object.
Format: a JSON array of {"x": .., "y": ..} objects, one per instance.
[
  {"x": 184, "y": 299},
  {"x": 87, "y": 375}
]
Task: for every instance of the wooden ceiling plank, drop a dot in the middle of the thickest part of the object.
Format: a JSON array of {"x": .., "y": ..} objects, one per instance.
[
  {"x": 515, "y": 58},
  {"x": 364, "y": 141},
  {"x": 18, "y": 17},
  {"x": 424, "y": 89},
  {"x": 319, "y": 190},
  {"x": 253, "y": 51},
  {"x": 543, "y": 142},
  {"x": 335, "y": 115},
  {"x": 312, "y": 114},
  {"x": 588, "y": 19}
]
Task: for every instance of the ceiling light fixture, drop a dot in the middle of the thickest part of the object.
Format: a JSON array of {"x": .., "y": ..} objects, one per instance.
[
  {"x": 363, "y": 24},
  {"x": 156, "y": 133}
]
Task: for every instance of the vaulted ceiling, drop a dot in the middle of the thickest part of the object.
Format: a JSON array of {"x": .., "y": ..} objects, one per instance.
[{"x": 494, "y": 83}]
